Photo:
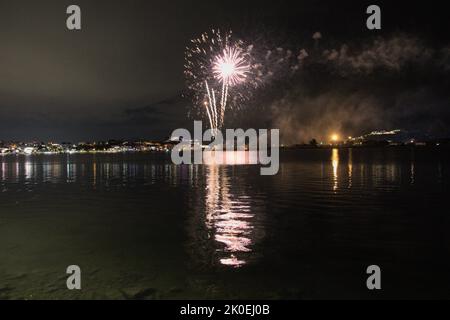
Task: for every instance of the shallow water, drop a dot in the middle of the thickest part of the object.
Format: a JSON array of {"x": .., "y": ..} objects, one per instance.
[{"x": 140, "y": 227}]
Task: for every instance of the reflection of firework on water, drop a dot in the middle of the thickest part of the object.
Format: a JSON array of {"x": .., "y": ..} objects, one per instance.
[{"x": 219, "y": 73}]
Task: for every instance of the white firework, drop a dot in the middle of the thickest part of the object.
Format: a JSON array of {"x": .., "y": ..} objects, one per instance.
[
  {"x": 231, "y": 67},
  {"x": 218, "y": 70}
]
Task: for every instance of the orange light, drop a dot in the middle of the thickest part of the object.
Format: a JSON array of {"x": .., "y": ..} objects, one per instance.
[{"x": 335, "y": 138}]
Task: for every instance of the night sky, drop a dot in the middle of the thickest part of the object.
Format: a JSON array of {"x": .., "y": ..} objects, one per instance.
[{"x": 121, "y": 76}]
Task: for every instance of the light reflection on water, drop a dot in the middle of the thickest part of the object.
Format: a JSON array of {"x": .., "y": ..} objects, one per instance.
[
  {"x": 107, "y": 171},
  {"x": 56, "y": 169},
  {"x": 335, "y": 165},
  {"x": 228, "y": 217},
  {"x": 350, "y": 168},
  {"x": 232, "y": 212}
]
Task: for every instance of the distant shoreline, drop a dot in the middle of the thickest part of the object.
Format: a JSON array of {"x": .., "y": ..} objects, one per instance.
[
  {"x": 283, "y": 148},
  {"x": 375, "y": 146}
]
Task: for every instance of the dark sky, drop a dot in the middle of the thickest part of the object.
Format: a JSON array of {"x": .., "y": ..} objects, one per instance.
[{"x": 121, "y": 76}]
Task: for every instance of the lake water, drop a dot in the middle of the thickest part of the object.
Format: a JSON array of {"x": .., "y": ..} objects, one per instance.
[{"x": 141, "y": 227}]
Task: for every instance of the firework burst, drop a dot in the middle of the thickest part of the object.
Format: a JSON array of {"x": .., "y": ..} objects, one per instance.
[
  {"x": 231, "y": 67},
  {"x": 219, "y": 74}
]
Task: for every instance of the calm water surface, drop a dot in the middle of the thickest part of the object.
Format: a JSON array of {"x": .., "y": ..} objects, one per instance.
[{"x": 140, "y": 227}]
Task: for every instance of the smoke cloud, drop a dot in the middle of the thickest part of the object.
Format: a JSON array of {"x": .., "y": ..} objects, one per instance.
[
  {"x": 387, "y": 83},
  {"x": 391, "y": 54}
]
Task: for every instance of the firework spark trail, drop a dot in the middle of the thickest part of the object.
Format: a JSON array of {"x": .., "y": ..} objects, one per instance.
[
  {"x": 209, "y": 114},
  {"x": 215, "y": 110},
  {"x": 211, "y": 108},
  {"x": 213, "y": 105},
  {"x": 222, "y": 103}
]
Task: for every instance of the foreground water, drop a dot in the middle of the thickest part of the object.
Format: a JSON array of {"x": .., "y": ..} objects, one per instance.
[{"x": 140, "y": 227}]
